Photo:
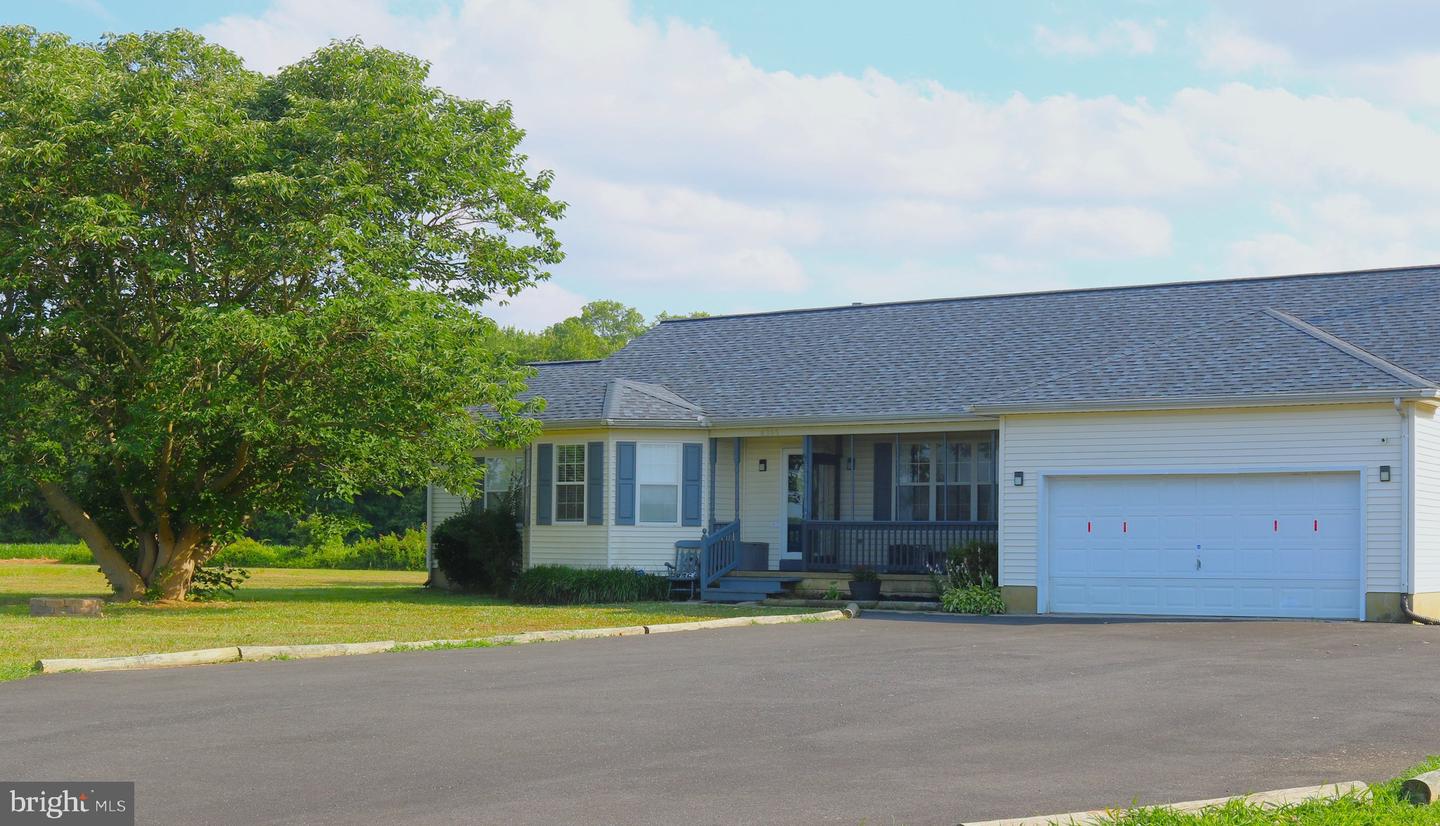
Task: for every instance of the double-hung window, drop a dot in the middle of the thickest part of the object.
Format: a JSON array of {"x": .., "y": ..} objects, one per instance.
[
  {"x": 914, "y": 483},
  {"x": 657, "y": 467},
  {"x": 950, "y": 479},
  {"x": 569, "y": 483},
  {"x": 502, "y": 479}
]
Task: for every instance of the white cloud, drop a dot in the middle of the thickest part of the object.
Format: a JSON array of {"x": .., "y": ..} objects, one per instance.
[
  {"x": 1120, "y": 36},
  {"x": 1081, "y": 232},
  {"x": 692, "y": 171},
  {"x": 1228, "y": 49},
  {"x": 1340, "y": 232},
  {"x": 1382, "y": 49},
  {"x": 538, "y": 307},
  {"x": 918, "y": 279}
]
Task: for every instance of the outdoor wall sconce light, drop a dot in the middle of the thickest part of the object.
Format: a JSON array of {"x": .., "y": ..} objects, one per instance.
[
  {"x": 762, "y": 465},
  {"x": 1019, "y": 478},
  {"x": 1384, "y": 473}
]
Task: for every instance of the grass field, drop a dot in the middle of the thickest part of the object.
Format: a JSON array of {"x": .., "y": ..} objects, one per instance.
[
  {"x": 1382, "y": 807},
  {"x": 285, "y": 606}
]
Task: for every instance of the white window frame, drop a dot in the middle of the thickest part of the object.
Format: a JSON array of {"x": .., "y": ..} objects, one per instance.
[
  {"x": 513, "y": 476},
  {"x": 584, "y": 476},
  {"x": 939, "y": 455},
  {"x": 679, "y": 483}
]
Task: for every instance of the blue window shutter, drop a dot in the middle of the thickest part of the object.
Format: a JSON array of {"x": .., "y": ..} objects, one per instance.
[
  {"x": 624, "y": 483},
  {"x": 595, "y": 483},
  {"x": 544, "y": 483},
  {"x": 690, "y": 486},
  {"x": 884, "y": 467}
]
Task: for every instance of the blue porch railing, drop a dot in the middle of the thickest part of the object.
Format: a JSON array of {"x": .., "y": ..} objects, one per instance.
[
  {"x": 887, "y": 547},
  {"x": 719, "y": 553}
]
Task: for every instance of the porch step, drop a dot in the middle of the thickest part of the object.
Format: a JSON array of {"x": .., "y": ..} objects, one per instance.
[{"x": 748, "y": 588}]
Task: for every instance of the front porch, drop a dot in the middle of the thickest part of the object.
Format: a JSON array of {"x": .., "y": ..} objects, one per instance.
[{"x": 893, "y": 503}]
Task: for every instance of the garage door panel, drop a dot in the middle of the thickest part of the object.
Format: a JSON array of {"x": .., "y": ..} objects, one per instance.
[
  {"x": 1177, "y": 562},
  {"x": 1268, "y": 544}
]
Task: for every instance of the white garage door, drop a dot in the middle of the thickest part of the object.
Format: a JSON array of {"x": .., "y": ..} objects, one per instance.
[{"x": 1242, "y": 545}]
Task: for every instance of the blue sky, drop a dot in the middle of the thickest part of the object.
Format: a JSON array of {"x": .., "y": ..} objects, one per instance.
[{"x": 744, "y": 155}]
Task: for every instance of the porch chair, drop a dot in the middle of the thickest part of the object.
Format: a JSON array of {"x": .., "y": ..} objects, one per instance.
[{"x": 684, "y": 572}]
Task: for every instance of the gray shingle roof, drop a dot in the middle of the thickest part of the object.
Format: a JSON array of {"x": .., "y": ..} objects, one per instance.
[
  {"x": 638, "y": 400},
  {"x": 1168, "y": 341}
]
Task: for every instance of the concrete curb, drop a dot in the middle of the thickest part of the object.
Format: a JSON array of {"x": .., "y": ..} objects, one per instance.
[
  {"x": 203, "y": 656},
  {"x": 257, "y": 653},
  {"x": 869, "y": 605},
  {"x": 1270, "y": 800}
]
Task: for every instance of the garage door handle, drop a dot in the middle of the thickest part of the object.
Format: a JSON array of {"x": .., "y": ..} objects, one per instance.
[{"x": 1197, "y": 563}]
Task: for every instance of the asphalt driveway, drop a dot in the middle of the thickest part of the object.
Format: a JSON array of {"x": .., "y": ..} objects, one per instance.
[{"x": 878, "y": 720}]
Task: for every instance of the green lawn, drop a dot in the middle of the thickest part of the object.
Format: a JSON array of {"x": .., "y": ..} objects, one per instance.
[
  {"x": 285, "y": 606},
  {"x": 1382, "y": 807}
]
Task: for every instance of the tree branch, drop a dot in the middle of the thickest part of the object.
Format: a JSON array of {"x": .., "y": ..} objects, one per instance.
[{"x": 123, "y": 579}]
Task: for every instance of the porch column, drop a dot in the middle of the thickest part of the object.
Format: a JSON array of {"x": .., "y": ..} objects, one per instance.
[
  {"x": 714, "y": 454},
  {"x": 737, "y": 479},
  {"x": 809, "y": 486}
]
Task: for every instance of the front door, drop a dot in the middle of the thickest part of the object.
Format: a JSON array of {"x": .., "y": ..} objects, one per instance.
[{"x": 792, "y": 503}]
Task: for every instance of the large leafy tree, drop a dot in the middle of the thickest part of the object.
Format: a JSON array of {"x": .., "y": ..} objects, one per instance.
[{"x": 222, "y": 292}]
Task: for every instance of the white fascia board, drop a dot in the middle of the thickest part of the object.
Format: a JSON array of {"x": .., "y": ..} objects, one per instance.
[{"x": 1185, "y": 403}]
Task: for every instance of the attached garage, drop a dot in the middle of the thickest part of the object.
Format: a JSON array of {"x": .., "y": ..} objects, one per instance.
[{"x": 1205, "y": 544}]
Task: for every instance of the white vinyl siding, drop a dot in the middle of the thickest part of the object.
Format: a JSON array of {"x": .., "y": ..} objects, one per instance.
[
  {"x": 1427, "y": 500},
  {"x": 760, "y": 492},
  {"x": 724, "y": 478},
  {"x": 1274, "y": 439}
]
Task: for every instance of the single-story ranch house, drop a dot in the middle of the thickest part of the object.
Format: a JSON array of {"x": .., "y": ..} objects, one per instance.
[{"x": 1255, "y": 447}]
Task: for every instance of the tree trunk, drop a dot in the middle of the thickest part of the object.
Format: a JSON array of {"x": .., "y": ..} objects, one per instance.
[
  {"x": 126, "y": 583},
  {"x": 173, "y": 581},
  {"x": 176, "y": 561}
]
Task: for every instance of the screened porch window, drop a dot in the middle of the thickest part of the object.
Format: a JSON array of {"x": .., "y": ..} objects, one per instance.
[{"x": 951, "y": 479}]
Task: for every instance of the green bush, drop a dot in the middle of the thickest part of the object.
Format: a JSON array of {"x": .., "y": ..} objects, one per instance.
[
  {"x": 390, "y": 552},
  {"x": 480, "y": 549},
  {"x": 249, "y": 553},
  {"x": 563, "y": 585},
  {"x": 71, "y": 554},
  {"x": 213, "y": 581},
  {"x": 967, "y": 565},
  {"x": 982, "y": 598}
]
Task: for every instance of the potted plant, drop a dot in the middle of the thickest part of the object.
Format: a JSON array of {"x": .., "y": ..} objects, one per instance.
[{"x": 864, "y": 584}]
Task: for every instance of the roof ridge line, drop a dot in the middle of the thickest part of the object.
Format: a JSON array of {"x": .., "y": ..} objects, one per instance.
[
  {"x": 607, "y": 407},
  {"x": 1242, "y": 279},
  {"x": 1355, "y": 351}
]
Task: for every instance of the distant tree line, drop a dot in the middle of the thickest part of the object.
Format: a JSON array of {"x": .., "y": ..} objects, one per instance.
[{"x": 601, "y": 328}]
